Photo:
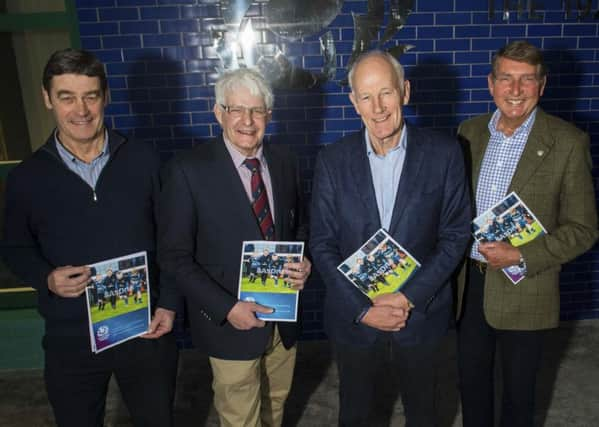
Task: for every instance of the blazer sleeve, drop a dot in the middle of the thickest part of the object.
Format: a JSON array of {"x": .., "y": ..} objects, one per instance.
[
  {"x": 168, "y": 297},
  {"x": 177, "y": 234},
  {"x": 324, "y": 242},
  {"x": 576, "y": 229}
]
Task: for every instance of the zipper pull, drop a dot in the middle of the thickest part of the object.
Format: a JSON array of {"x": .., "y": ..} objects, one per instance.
[{"x": 95, "y": 196}]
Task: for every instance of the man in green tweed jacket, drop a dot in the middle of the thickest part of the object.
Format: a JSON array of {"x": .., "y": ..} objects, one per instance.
[{"x": 547, "y": 162}]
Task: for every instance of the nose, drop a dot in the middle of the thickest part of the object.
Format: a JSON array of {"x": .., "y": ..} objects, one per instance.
[
  {"x": 515, "y": 87},
  {"x": 248, "y": 116},
  {"x": 82, "y": 107},
  {"x": 377, "y": 104}
]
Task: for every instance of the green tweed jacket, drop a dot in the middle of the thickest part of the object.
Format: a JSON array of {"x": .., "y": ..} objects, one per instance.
[{"x": 553, "y": 178}]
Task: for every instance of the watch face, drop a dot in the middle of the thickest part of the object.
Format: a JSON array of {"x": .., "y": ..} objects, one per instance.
[{"x": 513, "y": 269}]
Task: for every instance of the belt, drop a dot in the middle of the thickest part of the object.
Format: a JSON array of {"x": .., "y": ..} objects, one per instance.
[{"x": 479, "y": 265}]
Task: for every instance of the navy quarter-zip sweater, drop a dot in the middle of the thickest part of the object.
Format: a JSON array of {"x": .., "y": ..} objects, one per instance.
[{"x": 54, "y": 218}]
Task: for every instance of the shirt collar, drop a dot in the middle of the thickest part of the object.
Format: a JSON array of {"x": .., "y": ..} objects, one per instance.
[
  {"x": 67, "y": 154},
  {"x": 524, "y": 128},
  {"x": 239, "y": 158},
  {"x": 403, "y": 141}
]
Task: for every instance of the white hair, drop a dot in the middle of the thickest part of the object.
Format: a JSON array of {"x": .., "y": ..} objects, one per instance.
[{"x": 247, "y": 78}]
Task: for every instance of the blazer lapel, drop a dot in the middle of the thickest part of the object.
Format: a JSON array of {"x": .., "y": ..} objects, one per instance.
[
  {"x": 237, "y": 196},
  {"x": 409, "y": 179},
  {"x": 536, "y": 149},
  {"x": 362, "y": 179},
  {"x": 477, "y": 152}
]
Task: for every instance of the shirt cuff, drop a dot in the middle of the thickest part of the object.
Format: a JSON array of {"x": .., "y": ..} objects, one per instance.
[{"x": 360, "y": 316}]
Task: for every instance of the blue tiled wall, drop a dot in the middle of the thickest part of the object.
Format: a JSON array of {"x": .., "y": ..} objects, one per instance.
[{"x": 161, "y": 62}]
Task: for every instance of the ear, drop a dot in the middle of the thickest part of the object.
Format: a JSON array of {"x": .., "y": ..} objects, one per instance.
[
  {"x": 406, "y": 92},
  {"x": 542, "y": 87},
  {"x": 47, "y": 100},
  {"x": 353, "y": 100},
  {"x": 218, "y": 113},
  {"x": 490, "y": 83}
]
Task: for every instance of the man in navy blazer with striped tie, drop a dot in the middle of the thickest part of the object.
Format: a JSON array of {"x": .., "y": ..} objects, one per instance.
[{"x": 216, "y": 196}]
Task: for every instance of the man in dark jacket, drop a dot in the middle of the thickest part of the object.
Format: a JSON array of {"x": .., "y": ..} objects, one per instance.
[
  {"x": 62, "y": 216},
  {"x": 221, "y": 193}
]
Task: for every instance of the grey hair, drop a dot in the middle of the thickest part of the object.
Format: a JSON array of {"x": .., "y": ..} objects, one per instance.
[
  {"x": 399, "y": 72},
  {"x": 247, "y": 78}
]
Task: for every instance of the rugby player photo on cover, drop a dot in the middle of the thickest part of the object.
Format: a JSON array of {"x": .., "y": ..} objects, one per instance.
[
  {"x": 380, "y": 266},
  {"x": 118, "y": 300},
  {"x": 261, "y": 277},
  {"x": 511, "y": 221}
]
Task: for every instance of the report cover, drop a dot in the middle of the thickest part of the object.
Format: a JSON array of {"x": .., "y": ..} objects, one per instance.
[
  {"x": 510, "y": 221},
  {"x": 380, "y": 266},
  {"x": 261, "y": 278},
  {"x": 118, "y": 300}
]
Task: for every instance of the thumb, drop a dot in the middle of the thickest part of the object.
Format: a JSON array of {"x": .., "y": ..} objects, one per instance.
[
  {"x": 153, "y": 325},
  {"x": 398, "y": 312},
  {"x": 262, "y": 309}
]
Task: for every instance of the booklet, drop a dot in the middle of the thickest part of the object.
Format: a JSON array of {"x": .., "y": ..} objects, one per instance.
[
  {"x": 510, "y": 221},
  {"x": 118, "y": 300},
  {"x": 262, "y": 281},
  {"x": 380, "y": 266}
]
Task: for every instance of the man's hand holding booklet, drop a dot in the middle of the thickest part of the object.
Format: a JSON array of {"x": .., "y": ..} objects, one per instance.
[{"x": 509, "y": 221}]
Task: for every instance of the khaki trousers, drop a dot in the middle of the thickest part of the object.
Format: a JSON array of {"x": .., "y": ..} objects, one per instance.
[{"x": 252, "y": 393}]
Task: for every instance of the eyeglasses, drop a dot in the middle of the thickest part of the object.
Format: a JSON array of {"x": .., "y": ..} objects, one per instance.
[{"x": 239, "y": 110}]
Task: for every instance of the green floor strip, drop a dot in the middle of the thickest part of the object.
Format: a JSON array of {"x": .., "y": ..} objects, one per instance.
[{"x": 20, "y": 339}]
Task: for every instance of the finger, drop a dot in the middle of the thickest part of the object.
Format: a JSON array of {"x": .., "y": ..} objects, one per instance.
[
  {"x": 297, "y": 274},
  {"x": 154, "y": 324},
  {"x": 69, "y": 288},
  {"x": 398, "y": 312},
  {"x": 297, "y": 286},
  {"x": 155, "y": 334},
  {"x": 296, "y": 283},
  {"x": 71, "y": 271},
  {"x": 262, "y": 309},
  {"x": 74, "y": 285}
]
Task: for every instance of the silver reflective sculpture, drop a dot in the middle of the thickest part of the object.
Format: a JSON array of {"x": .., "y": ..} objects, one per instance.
[
  {"x": 367, "y": 27},
  {"x": 294, "y": 19},
  {"x": 262, "y": 40},
  {"x": 233, "y": 11},
  {"x": 328, "y": 51}
]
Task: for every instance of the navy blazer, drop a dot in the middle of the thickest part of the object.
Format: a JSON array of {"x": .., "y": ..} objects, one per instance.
[
  {"x": 205, "y": 215},
  {"x": 431, "y": 219}
]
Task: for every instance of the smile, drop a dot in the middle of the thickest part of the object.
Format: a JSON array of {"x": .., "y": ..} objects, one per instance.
[
  {"x": 382, "y": 119},
  {"x": 81, "y": 122}
]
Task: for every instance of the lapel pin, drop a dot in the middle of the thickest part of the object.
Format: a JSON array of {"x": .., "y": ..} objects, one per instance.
[{"x": 540, "y": 153}]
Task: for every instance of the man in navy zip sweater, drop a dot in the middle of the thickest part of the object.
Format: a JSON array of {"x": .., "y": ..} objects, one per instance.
[{"x": 76, "y": 201}]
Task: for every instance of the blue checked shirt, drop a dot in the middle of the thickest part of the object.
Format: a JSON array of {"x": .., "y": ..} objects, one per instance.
[
  {"x": 498, "y": 167},
  {"x": 89, "y": 172}
]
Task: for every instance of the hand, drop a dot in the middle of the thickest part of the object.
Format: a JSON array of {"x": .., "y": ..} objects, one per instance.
[
  {"x": 69, "y": 281},
  {"x": 500, "y": 254},
  {"x": 385, "y": 318},
  {"x": 162, "y": 323},
  {"x": 243, "y": 315},
  {"x": 297, "y": 273},
  {"x": 396, "y": 300}
]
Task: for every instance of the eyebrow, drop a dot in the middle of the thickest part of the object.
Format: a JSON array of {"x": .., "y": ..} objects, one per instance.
[{"x": 69, "y": 92}]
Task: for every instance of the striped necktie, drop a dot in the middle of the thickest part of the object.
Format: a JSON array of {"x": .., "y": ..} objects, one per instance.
[{"x": 260, "y": 200}]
